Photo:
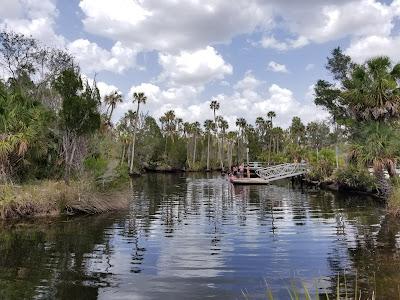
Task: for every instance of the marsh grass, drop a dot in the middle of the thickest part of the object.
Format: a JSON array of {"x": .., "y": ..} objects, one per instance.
[
  {"x": 55, "y": 197},
  {"x": 343, "y": 291}
]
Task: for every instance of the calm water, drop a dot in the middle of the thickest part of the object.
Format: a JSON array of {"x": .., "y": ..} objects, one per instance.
[{"x": 196, "y": 237}]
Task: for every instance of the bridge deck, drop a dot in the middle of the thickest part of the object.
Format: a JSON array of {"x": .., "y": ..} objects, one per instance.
[{"x": 272, "y": 173}]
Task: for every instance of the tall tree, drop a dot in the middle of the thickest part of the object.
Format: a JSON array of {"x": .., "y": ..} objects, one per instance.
[
  {"x": 209, "y": 125},
  {"x": 214, "y": 105},
  {"x": 271, "y": 114},
  {"x": 195, "y": 128},
  {"x": 241, "y": 124},
  {"x": 79, "y": 116},
  {"x": 139, "y": 98},
  {"x": 111, "y": 100},
  {"x": 223, "y": 125}
]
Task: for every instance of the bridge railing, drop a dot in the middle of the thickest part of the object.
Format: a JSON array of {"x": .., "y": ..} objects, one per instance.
[{"x": 281, "y": 171}]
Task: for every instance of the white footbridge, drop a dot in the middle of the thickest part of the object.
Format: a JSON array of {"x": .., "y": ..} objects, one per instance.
[
  {"x": 281, "y": 171},
  {"x": 272, "y": 173}
]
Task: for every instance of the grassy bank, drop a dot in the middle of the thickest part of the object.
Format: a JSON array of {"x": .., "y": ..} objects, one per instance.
[{"x": 51, "y": 198}]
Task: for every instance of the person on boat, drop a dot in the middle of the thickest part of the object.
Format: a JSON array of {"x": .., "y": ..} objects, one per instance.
[
  {"x": 241, "y": 170},
  {"x": 234, "y": 170}
]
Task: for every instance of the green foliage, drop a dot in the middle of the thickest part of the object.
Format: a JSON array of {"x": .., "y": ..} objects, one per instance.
[
  {"x": 96, "y": 165},
  {"x": 355, "y": 178},
  {"x": 322, "y": 164},
  {"x": 80, "y": 104}
]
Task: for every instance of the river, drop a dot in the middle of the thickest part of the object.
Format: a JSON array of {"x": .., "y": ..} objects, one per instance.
[{"x": 196, "y": 236}]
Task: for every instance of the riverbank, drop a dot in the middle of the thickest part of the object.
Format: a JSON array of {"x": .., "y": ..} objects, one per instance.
[{"x": 52, "y": 198}]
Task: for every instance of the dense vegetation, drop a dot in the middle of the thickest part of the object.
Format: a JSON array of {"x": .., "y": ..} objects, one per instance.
[{"x": 55, "y": 125}]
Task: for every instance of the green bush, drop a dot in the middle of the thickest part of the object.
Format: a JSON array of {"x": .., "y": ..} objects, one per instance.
[
  {"x": 322, "y": 166},
  {"x": 96, "y": 165},
  {"x": 355, "y": 178}
]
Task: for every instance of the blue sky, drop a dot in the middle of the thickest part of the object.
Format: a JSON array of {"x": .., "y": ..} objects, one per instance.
[{"x": 251, "y": 55}]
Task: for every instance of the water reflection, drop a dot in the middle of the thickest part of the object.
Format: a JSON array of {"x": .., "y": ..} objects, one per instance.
[{"x": 200, "y": 236}]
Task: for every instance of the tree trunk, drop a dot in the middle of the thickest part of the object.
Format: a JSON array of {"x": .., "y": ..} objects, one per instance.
[
  {"x": 132, "y": 152},
  {"x": 123, "y": 153},
  {"x": 188, "y": 153},
  {"x": 337, "y": 155},
  {"x": 269, "y": 150},
  {"x": 134, "y": 139},
  {"x": 208, "y": 152},
  {"x": 194, "y": 150},
  {"x": 238, "y": 146},
  {"x": 128, "y": 153},
  {"x": 111, "y": 112},
  {"x": 222, "y": 153}
]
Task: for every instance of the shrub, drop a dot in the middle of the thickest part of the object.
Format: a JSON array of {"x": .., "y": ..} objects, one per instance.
[
  {"x": 355, "y": 178},
  {"x": 96, "y": 165},
  {"x": 322, "y": 166}
]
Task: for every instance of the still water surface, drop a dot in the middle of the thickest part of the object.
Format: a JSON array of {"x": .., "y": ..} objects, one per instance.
[{"x": 196, "y": 236}]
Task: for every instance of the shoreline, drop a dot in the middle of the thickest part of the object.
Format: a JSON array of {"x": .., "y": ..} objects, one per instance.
[{"x": 55, "y": 198}]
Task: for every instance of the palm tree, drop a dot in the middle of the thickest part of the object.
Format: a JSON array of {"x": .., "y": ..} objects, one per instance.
[
  {"x": 195, "y": 128},
  {"x": 231, "y": 139},
  {"x": 170, "y": 124},
  {"x": 379, "y": 146},
  {"x": 372, "y": 91},
  {"x": 223, "y": 125},
  {"x": 260, "y": 125},
  {"x": 209, "y": 125},
  {"x": 111, "y": 100},
  {"x": 271, "y": 114},
  {"x": 241, "y": 123},
  {"x": 186, "y": 132},
  {"x": 214, "y": 105},
  {"x": 372, "y": 95},
  {"x": 138, "y": 98}
]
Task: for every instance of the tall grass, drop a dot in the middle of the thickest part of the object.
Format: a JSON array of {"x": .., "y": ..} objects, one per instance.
[
  {"x": 55, "y": 197},
  {"x": 342, "y": 292}
]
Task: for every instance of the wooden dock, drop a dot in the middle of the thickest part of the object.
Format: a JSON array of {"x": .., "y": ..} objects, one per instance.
[{"x": 248, "y": 181}]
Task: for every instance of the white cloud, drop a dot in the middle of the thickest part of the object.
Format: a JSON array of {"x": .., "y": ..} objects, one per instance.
[
  {"x": 169, "y": 26},
  {"x": 330, "y": 20},
  {"x": 104, "y": 88},
  {"x": 93, "y": 58},
  {"x": 32, "y": 18},
  {"x": 276, "y": 67},
  {"x": 322, "y": 21},
  {"x": 309, "y": 67},
  {"x": 364, "y": 48},
  {"x": 272, "y": 42},
  {"x": 194, "y": 67},
  {"x": 248, "y": 100},
  {"x": 249, "y": 82}
]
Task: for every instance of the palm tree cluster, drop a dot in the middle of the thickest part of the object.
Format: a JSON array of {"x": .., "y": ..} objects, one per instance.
[
  {"x": 171, "y": 143},
  {"x": 365, "y": 103}
]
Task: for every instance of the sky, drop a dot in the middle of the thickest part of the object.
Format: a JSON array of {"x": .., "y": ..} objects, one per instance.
[{"x": 253, "y": 56}]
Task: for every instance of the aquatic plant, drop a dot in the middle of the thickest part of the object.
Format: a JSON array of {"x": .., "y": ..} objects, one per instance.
[{"x": 343, "y": 291}]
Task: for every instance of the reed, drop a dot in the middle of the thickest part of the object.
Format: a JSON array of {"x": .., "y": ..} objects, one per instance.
[{"x": 342, "y": 292}]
